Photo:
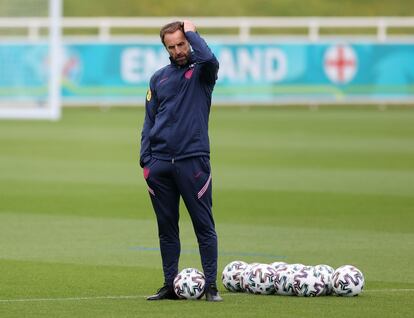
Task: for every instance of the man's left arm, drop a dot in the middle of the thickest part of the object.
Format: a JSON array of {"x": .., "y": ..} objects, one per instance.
[{"x": 202, "y": 52}]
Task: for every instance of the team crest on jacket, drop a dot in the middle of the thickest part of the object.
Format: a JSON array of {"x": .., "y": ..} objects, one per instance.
[
  {"x": 149, "y": 95},
  {"x": 189, "y": 73}
]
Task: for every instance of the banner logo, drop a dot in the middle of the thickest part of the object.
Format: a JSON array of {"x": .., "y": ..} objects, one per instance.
[{"x": 340, "y": 64}]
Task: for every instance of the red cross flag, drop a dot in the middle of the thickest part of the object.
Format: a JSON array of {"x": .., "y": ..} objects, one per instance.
[{"x": 340, "y": 64}]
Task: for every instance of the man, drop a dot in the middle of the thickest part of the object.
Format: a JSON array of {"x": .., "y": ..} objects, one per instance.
[{"x": 175, "y": 150}]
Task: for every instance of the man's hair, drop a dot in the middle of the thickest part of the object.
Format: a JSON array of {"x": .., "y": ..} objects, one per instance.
[{"x": 170, "y": 28}]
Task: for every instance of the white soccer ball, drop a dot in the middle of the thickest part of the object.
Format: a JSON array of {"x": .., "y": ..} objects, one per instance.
[
  {"x": 347, "y": 280},
  {"x": 284, "y": 279},
  {"x": 261, "y": 279},
  {"x": 308, "y": 282},
  {"x": 245, "y": 277},
  {"x": 231, "y": 275},
  {"x": 326, "y": 271},
  {"x": 189, "y": 284}
]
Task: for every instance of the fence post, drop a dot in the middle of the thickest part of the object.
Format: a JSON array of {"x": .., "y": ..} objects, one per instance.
[
  {"x": 382, "y": 30},
  {"x": 33, "y": 31},
  {"x": 244, "y": 31},
  {"x": 313, "y": 30},
  {"x": 104, "y": 30}
]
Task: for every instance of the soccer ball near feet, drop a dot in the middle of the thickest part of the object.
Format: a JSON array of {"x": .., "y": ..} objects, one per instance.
[{"x": 189, "y": 284}]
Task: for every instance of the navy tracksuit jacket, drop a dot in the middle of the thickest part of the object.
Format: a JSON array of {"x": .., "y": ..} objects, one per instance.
[{"x": 175, "y": 154}]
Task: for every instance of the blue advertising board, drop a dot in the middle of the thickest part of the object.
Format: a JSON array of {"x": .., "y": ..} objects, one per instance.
[{"x": 251, "y": 73}]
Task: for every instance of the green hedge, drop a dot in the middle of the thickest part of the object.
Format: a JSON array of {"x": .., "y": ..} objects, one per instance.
[{"x": 239, "y": 8}]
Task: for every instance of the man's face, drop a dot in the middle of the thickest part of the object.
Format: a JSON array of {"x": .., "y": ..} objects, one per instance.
[{"x": 177, "y": 46}]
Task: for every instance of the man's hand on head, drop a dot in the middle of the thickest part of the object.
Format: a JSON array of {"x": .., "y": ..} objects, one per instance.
[{"x": 188, "y": 26}]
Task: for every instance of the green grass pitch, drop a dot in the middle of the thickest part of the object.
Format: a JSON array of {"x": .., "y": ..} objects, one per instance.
[{"x": 78, "y": 236}]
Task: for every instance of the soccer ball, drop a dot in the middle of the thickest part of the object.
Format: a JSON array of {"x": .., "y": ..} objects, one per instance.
[
  {"x": 231, "y": 275},
  {"x": 347, "y": 280},
  {"x": 276, "y": 265},
  {"x": 308, "y": 282},
  {"x": 245, "y": 277},
  {"x": 283, "y": 280},
  {"x": 326, "y": 271},
  {"x": 189, "y": 284},
  {"x": 261, "y": 279}
]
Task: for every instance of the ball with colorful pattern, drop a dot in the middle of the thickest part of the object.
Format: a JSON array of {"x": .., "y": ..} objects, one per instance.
[
  {"x": 326, "y": 271},
  {"x": 308, "y": 282},
  {"x": 348, "y": 280},
  {"x": 261, "y": 279},
  {"x": 231, "y": 275},
  {"x": 189, "y": 284}
]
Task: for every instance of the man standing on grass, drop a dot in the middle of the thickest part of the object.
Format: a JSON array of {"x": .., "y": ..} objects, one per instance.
[{"x": 175, "y": 150}]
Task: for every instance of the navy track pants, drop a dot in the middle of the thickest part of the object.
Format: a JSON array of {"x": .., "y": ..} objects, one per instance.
[{"x": 191, "y": 179}]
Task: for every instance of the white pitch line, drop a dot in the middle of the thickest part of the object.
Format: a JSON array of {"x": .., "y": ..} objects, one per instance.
[
  {"x": 396, "y": 290},
  {"x": 68, "y": 299},
  {"x": 24, "y": 300}
]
